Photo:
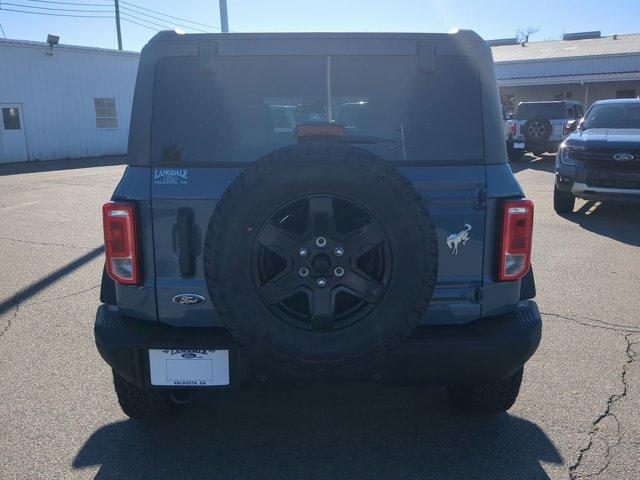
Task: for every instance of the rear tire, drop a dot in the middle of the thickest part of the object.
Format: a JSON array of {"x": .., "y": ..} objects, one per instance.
[
  {"x": 563, "y": 202},
  {"x": 487, "y": 398},
  {"x": 142, "y": 404}
]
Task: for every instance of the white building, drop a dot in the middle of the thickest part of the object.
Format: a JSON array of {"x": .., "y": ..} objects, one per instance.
[
  {"x": 63, "y": 102},
  {"x": 71, "y": 102},
  {"x": 583, "y": 66}
]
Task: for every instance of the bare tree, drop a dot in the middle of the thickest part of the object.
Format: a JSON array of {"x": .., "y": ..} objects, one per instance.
[{"x": 522, "y": 34}]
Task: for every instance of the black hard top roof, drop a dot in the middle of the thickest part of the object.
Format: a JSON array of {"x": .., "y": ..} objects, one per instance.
[{"x": 171, "y": 35}]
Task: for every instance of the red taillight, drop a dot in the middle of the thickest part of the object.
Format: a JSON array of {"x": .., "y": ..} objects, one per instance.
[
  {"x": 119, "y": 222},
  {"x": 517, "y": 233},
  {"x": 512, "y": 129}
]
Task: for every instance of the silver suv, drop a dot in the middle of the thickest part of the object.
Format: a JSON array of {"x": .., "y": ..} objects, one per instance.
[{"x": 540, "y": 127}]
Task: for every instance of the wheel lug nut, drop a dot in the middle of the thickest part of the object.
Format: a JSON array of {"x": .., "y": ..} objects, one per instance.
[
  {"x": 322, "y": 282},
  {"x": 339, "y": 271},
  {"x": 321, "y": 242},
  {"x": 339, "y": 251},
  {"x": 304, "y": 272},
  {"x": 303, "y": 252}
]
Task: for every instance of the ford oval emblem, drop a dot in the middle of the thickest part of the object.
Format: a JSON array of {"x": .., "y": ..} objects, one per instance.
[
  {"x": 189, "y": 299},
  {"x": 623, "y": 157},
  {"x": 188, "y": 355}
]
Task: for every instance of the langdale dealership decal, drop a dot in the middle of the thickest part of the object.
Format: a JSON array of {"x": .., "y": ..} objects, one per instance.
[
  {"x": 189, "y": 354},
  {"x": 170, "y": 176}
]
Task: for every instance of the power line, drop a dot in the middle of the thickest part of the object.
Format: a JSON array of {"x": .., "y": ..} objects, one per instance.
[
  {"x": 170, "y": 16},
  {"x": 55, "y": 14},
  {"x": 136, "y": 23},
  {"x": 130, "y": 16},
  {"x": 55, "y": 9},
  {"x": 147, "y": 21},
  {"x": 84, "y": 4},
  {"x": 159, "y": 18}
]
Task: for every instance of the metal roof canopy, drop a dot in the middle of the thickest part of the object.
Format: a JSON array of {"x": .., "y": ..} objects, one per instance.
[
  {"x": 614, "y": 45},
  {"x": 9, "y": 42},
  {"x": 565, "y": 79}
]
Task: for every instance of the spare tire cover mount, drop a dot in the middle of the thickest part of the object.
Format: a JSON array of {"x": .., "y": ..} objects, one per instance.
[{"x": 320, "y": 254}]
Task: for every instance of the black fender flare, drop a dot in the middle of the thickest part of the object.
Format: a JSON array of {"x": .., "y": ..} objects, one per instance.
[
  {"x": 107, "y": 289},
  {"x": 528, "y": 286}
]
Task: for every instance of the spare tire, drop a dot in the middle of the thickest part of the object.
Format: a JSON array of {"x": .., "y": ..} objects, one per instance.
[
  {"x": 537, "y": 130},
  {"x": 320, "y": 255}
]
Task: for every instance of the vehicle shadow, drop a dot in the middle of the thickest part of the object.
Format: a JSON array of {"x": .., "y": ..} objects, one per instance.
[
  {"x": 617, "y": 220},
  {"x": 63, "y": 164},
  {"x": 545, "y": 163},
  {"x": 34, "y": 288},
  {"x": 360, "y": 431}
]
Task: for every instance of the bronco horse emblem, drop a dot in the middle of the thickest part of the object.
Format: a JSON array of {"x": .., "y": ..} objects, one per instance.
[{"x": 456, "y": 239}]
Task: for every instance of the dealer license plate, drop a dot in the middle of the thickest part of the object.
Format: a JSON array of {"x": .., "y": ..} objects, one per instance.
[
  {"x": 189, "y": 368},
  {"x": 518, "y": 145}
]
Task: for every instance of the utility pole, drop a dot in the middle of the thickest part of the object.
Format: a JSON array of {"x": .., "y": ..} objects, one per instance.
[
  {"x": 117, "y": 4},
  {"x": 224, "y": 20}
]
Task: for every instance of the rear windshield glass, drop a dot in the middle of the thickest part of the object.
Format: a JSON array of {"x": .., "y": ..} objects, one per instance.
[
  {"x": 621, "y": 115},
  {"x": 251, "y": 106},
  {"x": 549, "y": 110}
]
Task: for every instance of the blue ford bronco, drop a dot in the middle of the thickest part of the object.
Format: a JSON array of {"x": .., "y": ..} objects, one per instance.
[
  {"x": 600, "y": 160},
  {"x": 301, "y": 208}
]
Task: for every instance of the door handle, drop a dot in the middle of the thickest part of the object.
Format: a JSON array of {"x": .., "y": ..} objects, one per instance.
[{"x": 185, "y": 241}]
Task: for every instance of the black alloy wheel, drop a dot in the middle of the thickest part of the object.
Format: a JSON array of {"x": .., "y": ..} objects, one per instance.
[{"x": 321, "y": 262}]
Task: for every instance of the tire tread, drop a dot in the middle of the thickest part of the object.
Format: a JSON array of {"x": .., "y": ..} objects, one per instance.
[
  {"x": 493, "y": 397},
  {"x": 141, "y": 404}
]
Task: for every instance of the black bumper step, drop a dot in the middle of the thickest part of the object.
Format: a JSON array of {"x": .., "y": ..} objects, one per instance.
[{"x": 485, "y": 350}]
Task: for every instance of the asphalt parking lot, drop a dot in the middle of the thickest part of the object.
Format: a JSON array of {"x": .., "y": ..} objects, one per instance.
[{"x": 578, "y": 414}]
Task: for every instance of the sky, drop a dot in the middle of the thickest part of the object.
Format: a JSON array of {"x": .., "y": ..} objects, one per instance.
[{"x": 491, "y": 19}]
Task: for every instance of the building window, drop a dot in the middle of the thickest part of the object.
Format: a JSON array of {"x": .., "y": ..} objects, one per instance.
[
  {"x": 106, "y": 112},
  {"x": 11, "y": 118},
  {"x": 629, "y": 93}
]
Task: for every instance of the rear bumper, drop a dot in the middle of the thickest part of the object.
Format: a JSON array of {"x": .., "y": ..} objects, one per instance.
[
  {"x": 550, "y": 146},
  {"x": 485, "y": 350}
]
